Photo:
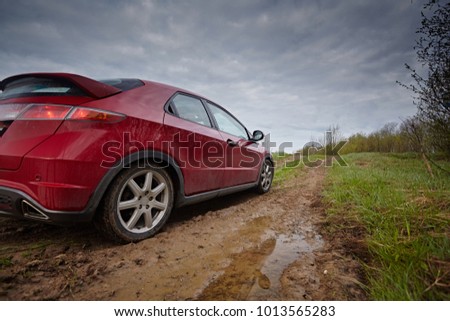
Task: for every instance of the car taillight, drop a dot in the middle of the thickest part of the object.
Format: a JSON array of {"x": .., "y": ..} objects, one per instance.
[
  {"x": 89, "y": 114},
  {"x": 58, "y": 112},
  {"x": 45, "y": 112},
  {"x": 10, "y": 112}
]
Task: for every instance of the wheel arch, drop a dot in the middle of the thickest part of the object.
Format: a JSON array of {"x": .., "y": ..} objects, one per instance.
[
  {"x": 270, "y": 158},
  {"x": 142, "y": 158}
]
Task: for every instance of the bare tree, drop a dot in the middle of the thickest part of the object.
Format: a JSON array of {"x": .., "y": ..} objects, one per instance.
[
  {"x": 415, "y": 130},
  {"x": 432, "y": 91},
  {"x": 333, "y": 137}
]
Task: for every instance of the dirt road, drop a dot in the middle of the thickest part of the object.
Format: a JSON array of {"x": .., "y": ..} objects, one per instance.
[{"x": 241, "y": 247}]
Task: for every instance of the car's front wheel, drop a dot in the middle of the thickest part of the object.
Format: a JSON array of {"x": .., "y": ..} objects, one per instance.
[
  {"x": 137, "y": 204},
  {"x": 265, "y": 177}
]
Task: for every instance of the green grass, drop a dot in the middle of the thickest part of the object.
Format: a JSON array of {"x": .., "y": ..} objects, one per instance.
[
  {"x": 405, "y": 216},
  {"x": 285, "y": 171}
]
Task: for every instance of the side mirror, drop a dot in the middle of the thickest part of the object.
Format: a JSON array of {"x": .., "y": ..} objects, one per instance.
[{"x": 257, "y": 135}]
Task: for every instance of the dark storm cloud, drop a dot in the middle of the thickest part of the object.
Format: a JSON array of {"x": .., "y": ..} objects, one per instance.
[{"x": 288, "y": 67}]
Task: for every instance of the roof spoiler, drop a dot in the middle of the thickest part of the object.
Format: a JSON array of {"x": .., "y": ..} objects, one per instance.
[{"x": 92, "y": 87}]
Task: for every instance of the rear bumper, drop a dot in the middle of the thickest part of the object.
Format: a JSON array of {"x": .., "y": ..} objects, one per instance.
[{"x": 15, "y": 203}]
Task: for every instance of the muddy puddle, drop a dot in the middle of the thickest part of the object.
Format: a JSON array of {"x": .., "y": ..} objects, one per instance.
[{"x": 255, "y": 274}]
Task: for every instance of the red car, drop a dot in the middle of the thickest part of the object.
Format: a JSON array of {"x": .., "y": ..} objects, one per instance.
[{"x": 120, "y": 152}]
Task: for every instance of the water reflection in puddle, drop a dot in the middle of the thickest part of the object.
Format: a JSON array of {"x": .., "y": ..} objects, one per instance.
[
  {"x": 287, "y": 250},
  {"x": 255, "y": 274}
]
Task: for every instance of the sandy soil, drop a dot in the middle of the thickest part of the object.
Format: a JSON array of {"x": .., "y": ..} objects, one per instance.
[{"x": 240, "y": 247}]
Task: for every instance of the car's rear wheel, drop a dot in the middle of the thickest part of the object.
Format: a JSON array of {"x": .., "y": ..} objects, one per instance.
[
  {"x": 137, "y": 204},
  {"x": 265, "y": 177}
]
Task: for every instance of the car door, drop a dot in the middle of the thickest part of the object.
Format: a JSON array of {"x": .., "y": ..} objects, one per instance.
[
  {"x": 192, "y": 135},
  {"x": 242, "y": 156}
]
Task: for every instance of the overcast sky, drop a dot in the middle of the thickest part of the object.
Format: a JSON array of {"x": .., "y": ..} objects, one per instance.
[{"x": 289, "y": 68}]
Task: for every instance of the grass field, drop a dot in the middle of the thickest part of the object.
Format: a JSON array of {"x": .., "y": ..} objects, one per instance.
[{"x": 404, "y": 216}]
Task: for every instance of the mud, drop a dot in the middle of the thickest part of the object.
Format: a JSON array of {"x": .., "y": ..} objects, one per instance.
[{"x": 240, "y": 247}]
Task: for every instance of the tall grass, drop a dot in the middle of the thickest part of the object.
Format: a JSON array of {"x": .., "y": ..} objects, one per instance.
[{"x": 405, "y": 215}]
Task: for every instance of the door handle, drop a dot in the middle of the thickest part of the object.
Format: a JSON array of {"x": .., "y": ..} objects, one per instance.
[{"x": 231, "y": 143}]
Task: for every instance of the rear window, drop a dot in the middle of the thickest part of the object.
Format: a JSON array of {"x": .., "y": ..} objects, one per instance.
[
  {"x": 33, "y": 86},
  {"x": 123, "y": 84}
]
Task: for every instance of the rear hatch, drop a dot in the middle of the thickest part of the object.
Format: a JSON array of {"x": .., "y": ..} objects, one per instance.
[{"x": 33, "y": 106}]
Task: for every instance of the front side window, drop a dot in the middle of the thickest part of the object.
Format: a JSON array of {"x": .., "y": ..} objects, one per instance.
[
  {"x": 191, "y": 109},
  {"x": 227, "y": 123}
]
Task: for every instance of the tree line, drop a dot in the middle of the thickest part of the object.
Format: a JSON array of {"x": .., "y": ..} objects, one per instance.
[
  {"x": 391, "y": 138},
  {"x": 403, "y": 137}
]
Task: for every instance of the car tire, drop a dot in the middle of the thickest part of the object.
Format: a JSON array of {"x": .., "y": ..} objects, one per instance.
[
  {"x": 265, "y": 177},
  {"x": 136, "y": 205}
]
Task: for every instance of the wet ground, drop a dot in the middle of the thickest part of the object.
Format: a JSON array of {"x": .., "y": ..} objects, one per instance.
[{"x": 240, "y": 247}]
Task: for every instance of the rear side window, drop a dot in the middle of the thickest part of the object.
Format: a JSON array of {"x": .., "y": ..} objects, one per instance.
[
  {"x": 32, "y": 86},
  {"x": 191, "y": 109}
]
